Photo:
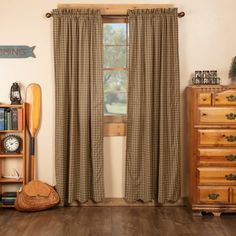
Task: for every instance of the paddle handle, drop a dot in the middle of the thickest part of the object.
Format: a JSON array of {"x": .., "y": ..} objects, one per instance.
[{"x": 32, "y": 159}]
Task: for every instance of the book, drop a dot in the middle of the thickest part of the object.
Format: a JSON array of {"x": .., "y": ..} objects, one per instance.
[
  {"x": 8, "y": 198},
  {"x": 8, "y": 201},
  {"x": 2, "y": 110},
  {"x": 14, "y": 118},
  {"x": 8, "y": 119},
  {"x": 9, "y": 194},
  {"x": 19, "y": 119},
  {"x": 5, "y": 118}
]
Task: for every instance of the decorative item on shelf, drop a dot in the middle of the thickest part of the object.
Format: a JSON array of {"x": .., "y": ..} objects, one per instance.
[
  {"x": 232, "y": 72},
  {"x": 206, "y": 77},
  {"x": 14, "y": 175},
  {"x": 12, "y": 143},
  {"x": 15, "y": 95}
]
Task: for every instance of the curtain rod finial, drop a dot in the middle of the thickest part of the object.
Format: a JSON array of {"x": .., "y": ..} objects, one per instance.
[
  {"x": 181, "y": 14},
  {"x": 48, "y": 14}
]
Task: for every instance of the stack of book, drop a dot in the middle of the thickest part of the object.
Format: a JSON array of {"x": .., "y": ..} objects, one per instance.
[
  {"x": 10, "y": 118},
  {"x": 8, "y": 198}
]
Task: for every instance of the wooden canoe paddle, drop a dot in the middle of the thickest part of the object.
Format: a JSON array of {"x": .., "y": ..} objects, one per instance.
[{"x": 33, "y": 115}]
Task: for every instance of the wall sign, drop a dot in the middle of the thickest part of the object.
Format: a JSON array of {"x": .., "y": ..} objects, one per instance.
[{"x": 18, "y": 51}]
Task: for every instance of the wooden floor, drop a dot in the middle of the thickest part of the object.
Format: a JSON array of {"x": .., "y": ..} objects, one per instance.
[{"x": 106, "y": 221}]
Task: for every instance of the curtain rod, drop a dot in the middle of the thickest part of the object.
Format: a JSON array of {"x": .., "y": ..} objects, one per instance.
[{"x": 180, "y": 14}]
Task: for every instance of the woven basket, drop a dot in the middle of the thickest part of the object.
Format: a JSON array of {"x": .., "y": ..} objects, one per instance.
[{"x": 36, "y": 196}]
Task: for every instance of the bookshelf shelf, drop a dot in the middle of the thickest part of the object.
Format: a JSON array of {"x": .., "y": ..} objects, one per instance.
[
  {"x": 11, "y": 155},
  {"x": 17, "y": 127},
  {"x": 9, "y": 180},
  {"x": 10, "y": 131},
  {"x": 9, "y": 105},
  {"x": 6, "y": 206}
]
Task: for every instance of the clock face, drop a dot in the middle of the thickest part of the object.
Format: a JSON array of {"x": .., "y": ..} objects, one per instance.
[{"x": 12, "y": 143}]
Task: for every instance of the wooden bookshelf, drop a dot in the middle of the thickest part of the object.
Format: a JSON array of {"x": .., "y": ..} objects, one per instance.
[{"x": 6, "y": 156}]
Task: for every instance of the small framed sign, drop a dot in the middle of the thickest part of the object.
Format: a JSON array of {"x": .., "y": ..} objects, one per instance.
[
  {"x": 18, "y": 51},
  {"x": 206, "y": 77}
]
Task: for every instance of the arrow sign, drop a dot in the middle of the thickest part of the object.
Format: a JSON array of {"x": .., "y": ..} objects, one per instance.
[{"x": 20, "y": 51}]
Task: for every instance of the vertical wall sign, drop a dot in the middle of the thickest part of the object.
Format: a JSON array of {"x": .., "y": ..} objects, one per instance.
[{"x": 18, "y": 51}]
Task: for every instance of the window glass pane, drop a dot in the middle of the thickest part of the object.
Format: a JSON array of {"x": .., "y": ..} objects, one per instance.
[
  {"x": 114, "y": 34},
  {"x": 115, "y": 56},
  {"x": 115, "y": 92}
]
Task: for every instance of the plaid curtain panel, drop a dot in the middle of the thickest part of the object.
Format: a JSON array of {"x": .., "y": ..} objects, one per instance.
[
  {"x": 153, "y": 126},
  {"x": 79, "y": 104}
]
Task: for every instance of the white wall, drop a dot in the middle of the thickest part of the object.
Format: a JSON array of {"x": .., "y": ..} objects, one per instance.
[{"x": 207, "y": 38}]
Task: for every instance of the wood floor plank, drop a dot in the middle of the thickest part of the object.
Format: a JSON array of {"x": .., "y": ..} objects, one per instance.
[
  {"x": 114, "y": 221},
  {"x": 125, "y": 221}
]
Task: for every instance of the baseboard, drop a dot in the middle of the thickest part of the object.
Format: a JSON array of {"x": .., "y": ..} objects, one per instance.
[{"x": 121, "y": 202}]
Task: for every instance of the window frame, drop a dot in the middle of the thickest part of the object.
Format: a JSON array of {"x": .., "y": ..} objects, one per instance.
[{"x": 115, "y": 125}]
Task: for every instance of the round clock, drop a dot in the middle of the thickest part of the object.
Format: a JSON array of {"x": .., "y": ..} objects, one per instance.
[{"x": 12, "y": 143}]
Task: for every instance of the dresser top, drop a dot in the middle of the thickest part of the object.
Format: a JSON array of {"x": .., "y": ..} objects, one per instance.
[{"x": 213, "y": 86}]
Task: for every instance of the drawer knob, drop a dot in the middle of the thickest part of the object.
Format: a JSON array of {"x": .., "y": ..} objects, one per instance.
[
  {"x": 231, "y": 116},
  {"x": 230, "y": 157},
  {"x": 231, "y": 98},
  {"x": 230, "y": 177},
  {"x": 230, "y": 138},
  {"x": 213, "y": 196},
  {"x": 204, "y": 99}
]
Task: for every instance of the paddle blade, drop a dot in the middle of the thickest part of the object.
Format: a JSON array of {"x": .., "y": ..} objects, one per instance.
[{"x": 33, "y": 109}]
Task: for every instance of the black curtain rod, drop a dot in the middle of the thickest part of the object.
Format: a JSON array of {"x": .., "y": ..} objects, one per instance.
[{"x": 180, "y": 15}]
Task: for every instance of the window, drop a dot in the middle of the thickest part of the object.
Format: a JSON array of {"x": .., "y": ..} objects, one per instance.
[{"x": 115, "y": 74}]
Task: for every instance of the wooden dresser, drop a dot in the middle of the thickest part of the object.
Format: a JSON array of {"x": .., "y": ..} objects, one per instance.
[{"x": 212, "y": 148}]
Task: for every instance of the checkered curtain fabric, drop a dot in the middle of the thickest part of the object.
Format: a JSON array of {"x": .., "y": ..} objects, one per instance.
[
  {"x": 153, "y": 132},
  {"x": 79, "y": 105}
]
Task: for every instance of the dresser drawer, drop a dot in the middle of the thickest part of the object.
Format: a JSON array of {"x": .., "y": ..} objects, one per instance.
[
  {"x": 217, "y": 156},
  {"x": 214, "y": 115},
  {"x": 225, "y": 98},
  {"x": 214, "y": 194},
  {"x": 216, "y": 176},
  {"x": 216, "y": 137},
  {"x": 204, "y": 99}
]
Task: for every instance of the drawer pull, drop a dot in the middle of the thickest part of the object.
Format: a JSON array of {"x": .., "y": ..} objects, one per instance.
[
  {"x": 204, "y": 99},
  {"x": 231, "y": 116},
  {"x": 204, "y": 114},
  {"x": 231, "y": 157},
  {"x": 230, "y": 138},
  {"x": 230, "y": 177},
  {"x": 231, "y": 98},
  {"x": 213, "y": 196}
]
